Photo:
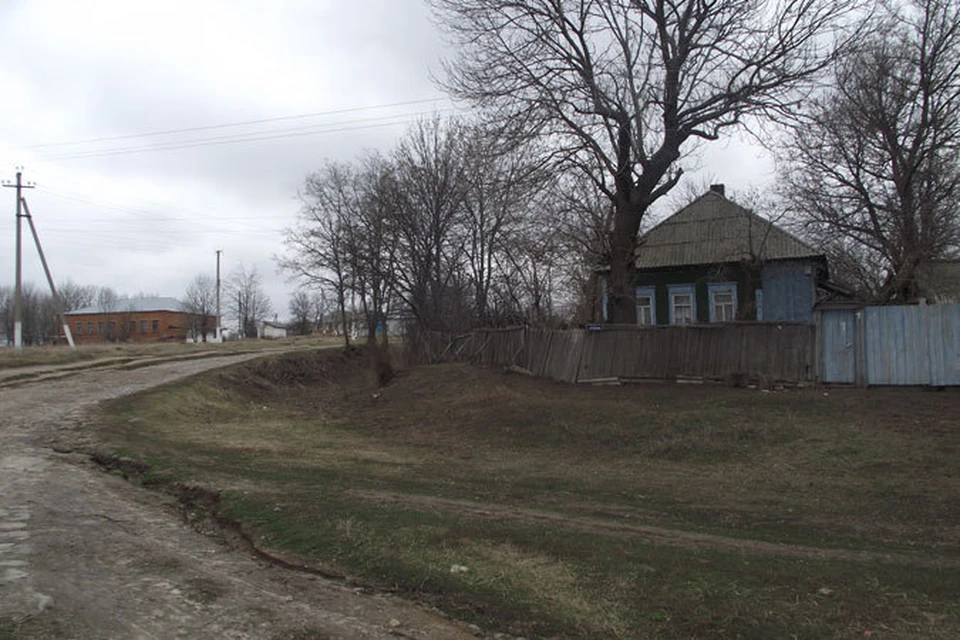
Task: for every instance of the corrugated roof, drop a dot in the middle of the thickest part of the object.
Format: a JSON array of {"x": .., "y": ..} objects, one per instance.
[
  {"x": 714, "y": 230},
  {"x": 132, "y": 305}
]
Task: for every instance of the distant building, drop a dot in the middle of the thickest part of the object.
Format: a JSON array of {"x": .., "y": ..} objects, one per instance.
[
  {"x": 267, "y": 330},
  {"x": 138, "y": 320}
]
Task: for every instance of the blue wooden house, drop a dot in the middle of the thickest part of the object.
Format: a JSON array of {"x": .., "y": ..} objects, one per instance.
[{"x": 715, "y": 261}]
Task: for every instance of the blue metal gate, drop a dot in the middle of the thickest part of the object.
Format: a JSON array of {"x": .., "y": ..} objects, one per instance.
[
  {"x": 895, "y": 345},
  {"x": 838, "y": 345}
]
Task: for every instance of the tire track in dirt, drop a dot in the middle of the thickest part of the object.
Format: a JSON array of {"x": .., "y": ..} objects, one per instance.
[
  {"x": 650, "y": 534},
  {"x": 84, "y": 554}
]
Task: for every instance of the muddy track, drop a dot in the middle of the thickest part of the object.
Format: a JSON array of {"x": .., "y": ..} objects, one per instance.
[
  {"x": 654, "y": 535},
  {"x": 86, "y": 554}
]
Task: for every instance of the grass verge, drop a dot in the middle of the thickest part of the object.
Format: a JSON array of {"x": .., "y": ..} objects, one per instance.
[{"x": 546, "y": 510}]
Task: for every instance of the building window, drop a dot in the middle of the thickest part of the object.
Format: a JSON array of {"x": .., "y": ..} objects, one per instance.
[
  {"x": 646, "y": 306},
  {"x": 79, "y": 328},
  {"x": 100, "y": 328},
  {"x": 111, "y": 328},
  {"x": 683, "y": 304},
  {"x": 723, "y": 301},
  {"x": 143, "y": 326},
  {"x": 156, "y": 326},
  {"x": 133, "y": 327},
  {"x": 90, "y": 328}
]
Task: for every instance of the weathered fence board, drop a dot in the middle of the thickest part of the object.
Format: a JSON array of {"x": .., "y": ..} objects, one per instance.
[{"x": 778, "y": 351}]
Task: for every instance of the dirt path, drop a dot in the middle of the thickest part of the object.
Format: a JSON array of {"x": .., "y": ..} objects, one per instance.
[
  {"x": 84, "y": 554},
  {"x": 650, "y": 534}
]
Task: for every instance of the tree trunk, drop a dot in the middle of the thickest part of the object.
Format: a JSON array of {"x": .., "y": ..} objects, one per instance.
[{"x": 621, "y": 301}]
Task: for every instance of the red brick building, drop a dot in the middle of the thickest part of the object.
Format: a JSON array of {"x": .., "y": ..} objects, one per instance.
[{"x": 138, "y": 320}]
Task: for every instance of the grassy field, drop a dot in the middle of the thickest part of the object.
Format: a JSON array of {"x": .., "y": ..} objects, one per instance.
[
  {"x": 546, "y": 510},
  {"x": 55, "y": 355}
]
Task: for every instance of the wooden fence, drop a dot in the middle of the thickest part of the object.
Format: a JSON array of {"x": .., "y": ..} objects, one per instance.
[{"x": 774, "y": 351}]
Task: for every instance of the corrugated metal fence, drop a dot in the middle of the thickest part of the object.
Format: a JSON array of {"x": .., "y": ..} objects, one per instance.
[
  {"x": 891, "y": 345},
  {"x": 773, "y": 351}
]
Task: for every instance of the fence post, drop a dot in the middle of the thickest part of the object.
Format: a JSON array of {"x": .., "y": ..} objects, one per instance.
[
  {"x": 583, "y": 339},
  {"x": 860, "y": 376}
]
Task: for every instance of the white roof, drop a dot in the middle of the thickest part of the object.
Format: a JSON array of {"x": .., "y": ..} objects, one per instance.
[{"x": 132, "y": 305}]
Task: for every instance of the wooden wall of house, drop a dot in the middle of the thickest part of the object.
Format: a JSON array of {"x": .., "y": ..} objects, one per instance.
[
  {"x": 700, "y": 277},
  {"x": 789, "y": 290}
]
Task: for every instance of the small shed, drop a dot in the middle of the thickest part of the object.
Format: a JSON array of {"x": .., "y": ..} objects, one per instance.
[{"x": 267, "y": 330}]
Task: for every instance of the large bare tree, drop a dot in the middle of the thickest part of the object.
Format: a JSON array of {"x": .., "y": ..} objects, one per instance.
[
  {"x": 318, "y": 247},
  {"x": 873, "y": 171},
  {"x": 622, "y": 89}
]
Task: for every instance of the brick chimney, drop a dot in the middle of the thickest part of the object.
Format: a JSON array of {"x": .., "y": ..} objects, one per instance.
[{"x": 719, "y": 188}]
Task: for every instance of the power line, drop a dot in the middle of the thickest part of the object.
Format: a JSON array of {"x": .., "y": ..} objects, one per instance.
[
  {"x": 226, "y": 125},
  {"x": 241, "y": 138}
]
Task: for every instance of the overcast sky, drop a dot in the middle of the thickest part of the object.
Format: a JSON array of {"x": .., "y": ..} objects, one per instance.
[{"x": 93, "y": 88}]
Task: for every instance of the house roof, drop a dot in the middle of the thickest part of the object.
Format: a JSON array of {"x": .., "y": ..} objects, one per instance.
[
  {"x": 132, "y": 305},
  {"x": 715, "y": 230},
  {"x": 939, "y": 280}
]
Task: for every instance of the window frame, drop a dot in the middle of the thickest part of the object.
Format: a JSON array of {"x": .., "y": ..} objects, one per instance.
[
  {"x": 675, "y": 290},
  {"x": 79, "y": 328},
  {"x": 713, "y": 289},
  {"x": 143, "y": 327},
  {"x": 651, "y": 293},
  {"x": 155, "y": 326}
]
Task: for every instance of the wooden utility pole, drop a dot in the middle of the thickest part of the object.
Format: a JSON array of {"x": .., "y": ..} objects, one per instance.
[
  {"x": 58, "y": 303},
  {"x": 219, "y": 337},
  {"x": 18, "y": 287}
]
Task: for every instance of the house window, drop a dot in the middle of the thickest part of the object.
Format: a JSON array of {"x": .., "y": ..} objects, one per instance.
[
  {"x": 111, "y": 328},
  {"x": 90, "y": 328},
  {"x": 143, "y": 326},
  {"x": 100, "y": 327},
  {"x": 646, "y": 306},
  {"x": 133, "y": 327},
  {"x": 156, "y": 326},
  {"x": 683, "y": 304},
  {"x": 723, "y": 301},
  {"x": 79, "y": 328}
]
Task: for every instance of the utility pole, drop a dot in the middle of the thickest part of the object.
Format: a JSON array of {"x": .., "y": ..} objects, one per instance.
[
  {"x": 46, "y": 269},
  {"x": 18, "y": 287},
  {"x": 219, "y": 337}
]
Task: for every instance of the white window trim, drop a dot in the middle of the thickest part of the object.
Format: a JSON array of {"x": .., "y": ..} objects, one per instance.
[
  {"x": 682, "y": 289},
  {"x": 652, "y": 293},
  {"x": 715, "y": 287}
]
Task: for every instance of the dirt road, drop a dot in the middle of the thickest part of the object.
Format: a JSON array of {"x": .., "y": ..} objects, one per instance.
[{"x": 84, "y": 554}]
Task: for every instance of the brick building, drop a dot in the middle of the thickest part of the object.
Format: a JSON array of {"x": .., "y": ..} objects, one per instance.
[{"x": 138, "y": 320}]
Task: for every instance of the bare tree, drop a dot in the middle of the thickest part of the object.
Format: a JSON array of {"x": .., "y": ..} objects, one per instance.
[
  {"x": 431, "y": 183},
  {"x": 372, "y": 234},
  {"x": 318, "y": 247},
  {"x": 246, "y": 300},
  {"x": 75, "y": 296},
  {"x": 200, "y": 301},
  {"x": 872, "y": 171},
  {"x": 624, "y": 88},
  {"x": 502, "y": 187},
  {"x": 301, "y": 313}
]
